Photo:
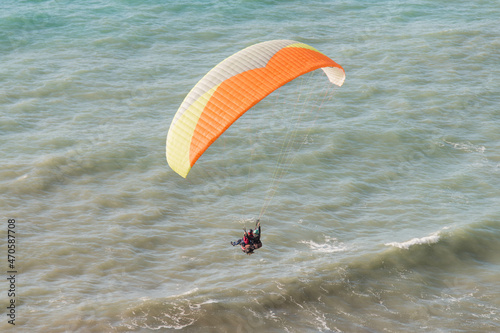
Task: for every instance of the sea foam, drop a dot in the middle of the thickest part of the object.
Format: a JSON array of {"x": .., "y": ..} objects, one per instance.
[
  {"x": 329, "y": 246},
  {"x": 431, "y": 239}
]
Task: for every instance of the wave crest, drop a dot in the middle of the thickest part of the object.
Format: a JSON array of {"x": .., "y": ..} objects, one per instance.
[{"x": 431, "y": 239}]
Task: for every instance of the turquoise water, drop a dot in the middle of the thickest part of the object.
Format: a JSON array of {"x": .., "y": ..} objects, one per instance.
[{"x": 386, "y": 219}]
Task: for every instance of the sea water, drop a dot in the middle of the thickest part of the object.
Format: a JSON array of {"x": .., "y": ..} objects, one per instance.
[{"x": 386, "y": 218}]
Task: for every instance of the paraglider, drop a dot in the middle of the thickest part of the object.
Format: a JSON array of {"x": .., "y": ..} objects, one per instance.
[
  {"x": 230, "y": 89},
  {"x": 251, "y": 239}
]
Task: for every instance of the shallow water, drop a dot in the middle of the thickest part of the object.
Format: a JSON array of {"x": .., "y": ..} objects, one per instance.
[{"x": 386, "y": 217}]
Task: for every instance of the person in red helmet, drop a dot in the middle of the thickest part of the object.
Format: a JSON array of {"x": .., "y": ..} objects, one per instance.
[{"x": 247, "y": 244}]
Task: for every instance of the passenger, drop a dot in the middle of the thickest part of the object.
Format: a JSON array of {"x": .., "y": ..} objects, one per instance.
[
  {"x": 251, "y": 236},
  {"x": 245, "y": 240}
]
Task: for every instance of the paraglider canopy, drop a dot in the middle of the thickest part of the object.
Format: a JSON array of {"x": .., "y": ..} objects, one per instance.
[{"x": 233, "y": 87}]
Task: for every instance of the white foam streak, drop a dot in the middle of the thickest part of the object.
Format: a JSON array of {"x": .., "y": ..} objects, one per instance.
[
  {"x": 431, "y": 239},
  {"x": 467, "y": 147},
  {"x": 330, "y": 245}
]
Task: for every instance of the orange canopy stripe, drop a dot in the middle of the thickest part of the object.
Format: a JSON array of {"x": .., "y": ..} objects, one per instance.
[{"x": 239, "y": 93}]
